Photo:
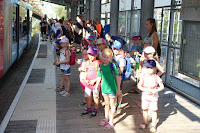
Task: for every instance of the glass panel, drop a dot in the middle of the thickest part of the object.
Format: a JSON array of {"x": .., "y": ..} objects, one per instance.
[
  {"x": 135, "y": 23},
  {"x": 122, "y": 23},
  {"x": 105, "y": 8},
  {"x": 160, "y": 3},
  {"x": 137, "y": 4},
  {"x": 128, "y": 24},
  {"x": 177, "y": 29},
  {"x": 125, "y": 5}
]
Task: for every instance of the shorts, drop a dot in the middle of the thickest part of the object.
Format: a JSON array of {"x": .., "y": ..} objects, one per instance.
[
  {"x": 43, "y": 32},
  {"x": 66, "y": 72},
  {"x": 82, "y": 83},
  {"x": 112, "y": 95},
  {"x": 88, "y": 92},
  {"x": 78, "y": 39},
  {"x": 151, "y": 105}
]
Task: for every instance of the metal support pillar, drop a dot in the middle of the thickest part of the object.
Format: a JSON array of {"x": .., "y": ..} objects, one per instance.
[
  {"x": 147, "y": 10},
  {"x": 97, "y": 10},
  {"x": 92, "y": 15},
  {"x": 87, "y": 9},
  {"x": 73, "y": 10},
  {"x": 170, "y": 44},
  {"x": 67, "y": 8},
  {"x": 114, "y": 14}
]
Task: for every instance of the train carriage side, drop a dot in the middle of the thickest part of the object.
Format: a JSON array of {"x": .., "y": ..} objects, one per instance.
[{"x": 13, "y": 40}]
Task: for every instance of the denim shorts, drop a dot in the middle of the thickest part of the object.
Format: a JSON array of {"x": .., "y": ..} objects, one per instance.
[
  {"x": 66, "y": 72},
  {"x": 112, "y": 95}
]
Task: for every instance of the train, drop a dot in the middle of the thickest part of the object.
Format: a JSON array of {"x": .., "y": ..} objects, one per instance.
[{"x": 15, "y": 32}]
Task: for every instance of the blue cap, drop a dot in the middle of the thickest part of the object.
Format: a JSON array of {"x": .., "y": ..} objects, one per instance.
[
  {"x": 151, "y": 63},
  {"x": 91, "y": 37},
  {"x": 117, "y": 44}
]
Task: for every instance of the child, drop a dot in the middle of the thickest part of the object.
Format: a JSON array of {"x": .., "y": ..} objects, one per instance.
[
  {"x": 64, "y": 66},
  {"x": 101, "y": 44},
  {"x": 110, "y": 85},
  {"x": 148, "y": 85},
  {"x": 121, "y": 62},
  {"x": 82, "y": 73},
  {"x": 149, "y": 54},
  {"x": 90, "y": 82},
  {"x": 91, "y": 41},
  {"x": 136, "y": 53}
]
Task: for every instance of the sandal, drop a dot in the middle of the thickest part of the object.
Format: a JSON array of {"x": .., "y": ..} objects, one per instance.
[
  {"x": 153, "y": 129},
  {"x": 59, "y": 89},
  {"x": 109, "y": 126},
  {"x": 143, "y": 126},
  {"x": 103, "y": 122}
]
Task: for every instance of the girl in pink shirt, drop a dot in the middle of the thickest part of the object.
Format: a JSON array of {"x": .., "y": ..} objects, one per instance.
[{"x": 148, "y": 85}]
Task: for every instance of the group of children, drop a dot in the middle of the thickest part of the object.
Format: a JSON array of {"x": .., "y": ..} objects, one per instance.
[{"x": 101, "y": 72}]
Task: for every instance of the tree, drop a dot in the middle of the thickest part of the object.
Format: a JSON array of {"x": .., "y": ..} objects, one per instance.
[{"x": 60, "y": 11}]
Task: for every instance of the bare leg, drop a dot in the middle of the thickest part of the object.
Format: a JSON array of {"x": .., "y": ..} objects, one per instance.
[
  {"x": 145, "y": 116},
  {"x": 62, "y": 81},
  {"x": 107, "y": 106},
  {"x": 67, "y": 83},
  {"x": 112, "y": 105},
  {"x": 96, "y": 102},
  {"x": 88, "y": 101},
  {"x": 83, "y": 92},
  {"x": 154, "y": 118}
]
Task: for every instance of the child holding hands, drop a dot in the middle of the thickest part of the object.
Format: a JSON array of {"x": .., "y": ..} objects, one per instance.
[
  {"x": 110, "y": 86},
  {"x": 148, "y": 85}
]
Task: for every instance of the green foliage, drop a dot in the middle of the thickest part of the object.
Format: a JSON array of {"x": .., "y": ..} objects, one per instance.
[{"x": 60, "y": 11}]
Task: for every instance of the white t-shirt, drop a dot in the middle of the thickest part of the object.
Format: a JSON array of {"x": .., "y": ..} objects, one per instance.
[
  {"x": 122, "y": 61},
  {"x": 62, "y": 58}
]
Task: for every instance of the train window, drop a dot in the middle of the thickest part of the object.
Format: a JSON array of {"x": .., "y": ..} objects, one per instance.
[
  {"x": 22, "y": 19},
  {"x": 14, "y": 32}
]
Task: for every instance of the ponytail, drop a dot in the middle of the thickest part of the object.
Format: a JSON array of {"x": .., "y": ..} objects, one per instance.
[{"x": 154, "y": 29}]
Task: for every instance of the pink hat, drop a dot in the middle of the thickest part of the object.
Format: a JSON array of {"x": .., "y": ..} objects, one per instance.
[{"x": 100, "y": 41}]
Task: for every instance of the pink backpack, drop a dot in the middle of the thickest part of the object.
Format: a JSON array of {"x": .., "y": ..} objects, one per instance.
[{"x": 72, "y": 57}]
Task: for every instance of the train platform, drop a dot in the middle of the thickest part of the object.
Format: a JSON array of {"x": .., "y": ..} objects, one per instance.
[{"x": 40, "y": 109}]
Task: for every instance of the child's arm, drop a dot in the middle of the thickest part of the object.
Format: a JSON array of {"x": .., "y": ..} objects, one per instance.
[
  {"x": 159, "y": 68},
  {"x": 98, "y": 82},
  {"x": 121, "y": 69},
  {"x": 117, "y": 77},
  {"x": 142, "y": 88},
  {"x": 153, "y": 91},
  {"x": 65, "y": 61}
]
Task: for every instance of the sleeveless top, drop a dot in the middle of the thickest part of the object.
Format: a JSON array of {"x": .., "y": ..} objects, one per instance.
[{"x": 63, "y": 58}]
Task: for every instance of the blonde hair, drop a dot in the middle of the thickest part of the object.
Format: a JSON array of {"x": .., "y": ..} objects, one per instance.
[{"x": 108, "y": 51}]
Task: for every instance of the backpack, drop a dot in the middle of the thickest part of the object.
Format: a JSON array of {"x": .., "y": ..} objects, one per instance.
[
  {"x": 72, "y": 57},
  {"x": 126, "y": 75},
  {"x": 111, "y": 67}
]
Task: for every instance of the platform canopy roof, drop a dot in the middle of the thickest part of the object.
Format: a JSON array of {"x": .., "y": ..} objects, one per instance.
[{"x": 59, "y": 2}]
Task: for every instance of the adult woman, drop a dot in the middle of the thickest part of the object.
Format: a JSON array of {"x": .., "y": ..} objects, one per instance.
[
  {"x": 150, "y": 25},
  {"x": 88, "y": 31}
]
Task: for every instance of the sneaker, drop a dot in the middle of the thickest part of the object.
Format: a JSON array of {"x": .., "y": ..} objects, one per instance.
[
  {"x": 94, "y": 114},
  {"x": 62, "y": 92},
  {"x": 86, "y": 112},
  {"x": 119, "y": 109},
  {"x": 153, "y": 129},
  {"x": 103, "y": 122},
  {"x": 66, "y": 94}
]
